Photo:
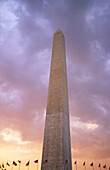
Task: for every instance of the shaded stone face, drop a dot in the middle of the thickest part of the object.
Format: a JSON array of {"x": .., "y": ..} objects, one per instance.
[{"x": 56, "y": 146}]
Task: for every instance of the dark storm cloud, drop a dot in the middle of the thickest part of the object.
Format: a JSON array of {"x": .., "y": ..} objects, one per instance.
[{"x": 25, "y": 52}]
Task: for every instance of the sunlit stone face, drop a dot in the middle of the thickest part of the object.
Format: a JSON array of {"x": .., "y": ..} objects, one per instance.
[{"x": 56, "y": 146}]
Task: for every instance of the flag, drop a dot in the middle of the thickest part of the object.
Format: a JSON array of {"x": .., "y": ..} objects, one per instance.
[
  {"x": 2, "y": 165},
  {"x": 104, "y": 166},
  {"x": 14, "y": 163},
  {"x": 66, "y": 162},
  {"x": 84, "y": 163},
  {"x": 19, "y": 161},
  {"x": 27, "y": 164},
  {"x": 99, "y": 166},
  {"x": 8, "y": 164},
  {"x": 91, "y": 164},
  {"x": 36, "y": 161},
  {"x": 75, "y": 162},
  {"x": 45, "y": 161}
]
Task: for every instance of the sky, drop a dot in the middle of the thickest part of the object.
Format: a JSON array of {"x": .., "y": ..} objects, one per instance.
[{"x": 26, "y": 36}]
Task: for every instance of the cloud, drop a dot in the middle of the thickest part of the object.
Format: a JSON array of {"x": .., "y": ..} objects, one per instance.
[
  {"x": 27, "y": 28},
  {"x": 10, "y": 135},
  {"x": 75, "y": 123}
]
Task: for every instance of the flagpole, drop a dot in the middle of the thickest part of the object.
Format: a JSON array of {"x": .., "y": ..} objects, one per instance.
[
  {"x": 19, "y": 166},
  {"x": 37, "y": 166},
  {"x": 85, "y": 167},
  {"x": 28, "y": 167},
  {"x": 12, "y": 166},
  {"x": 72, "y": 157},
  {"x": 76, "y": 166}
]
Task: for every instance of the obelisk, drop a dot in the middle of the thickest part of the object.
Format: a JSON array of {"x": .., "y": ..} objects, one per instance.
[{"x": 56, "y": 145}]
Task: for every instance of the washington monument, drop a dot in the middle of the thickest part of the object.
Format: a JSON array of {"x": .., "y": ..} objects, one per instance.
[{"x": 56, "y": 145}]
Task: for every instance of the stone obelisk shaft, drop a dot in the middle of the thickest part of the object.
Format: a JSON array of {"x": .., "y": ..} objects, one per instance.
[{"x": 56, "y": 146}]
